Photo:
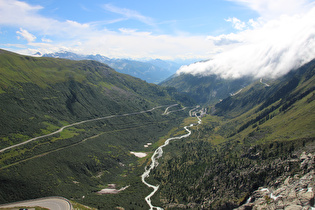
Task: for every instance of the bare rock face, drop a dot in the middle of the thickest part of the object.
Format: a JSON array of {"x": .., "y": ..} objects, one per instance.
[{"x": 294, "y": 193}]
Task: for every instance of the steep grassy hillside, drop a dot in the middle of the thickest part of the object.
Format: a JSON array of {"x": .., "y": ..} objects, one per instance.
[
  {"x": 38, "y": 92},
  {"x": 40, "y": 95},
  {"x": 292, "y": 86},
  {"x": 253, "y": 138},
  {"x": 206, "y": 89}
]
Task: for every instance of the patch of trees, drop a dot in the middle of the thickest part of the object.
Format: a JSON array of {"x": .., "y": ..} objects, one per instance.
[{"x": 214, "y": 178}]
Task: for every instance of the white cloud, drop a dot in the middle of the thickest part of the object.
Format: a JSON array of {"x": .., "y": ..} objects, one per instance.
[
  {"x": 225, "y": 39},
  {"x": 46, "y": 40},
  {"x": 240, "y": 25},
  {"x": 129, "y": 14},
  {"x": 15, "y": 45},
  {"x": 74, "y": 24},
  {"x": 133, "y": 44},
  {"x": 134, "y": 32},
  {"x": 255, "y": 23},
  {"x": 270, "y": 9},
  {"x": 270, "y": 46},
  {"x": 270, "y": 49},
  {"x": 20, "y": 14},
  {"x": 26, "y": 35},
  {"x": 237, "y": 24},
  {"x": 94, "y": 38}
]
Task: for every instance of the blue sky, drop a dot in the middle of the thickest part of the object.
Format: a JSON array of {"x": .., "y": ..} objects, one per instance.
[
  {"x": 200, "y": 17},
  {"x": 172, "y": 18},
  {"x": 239, "y": 37}
]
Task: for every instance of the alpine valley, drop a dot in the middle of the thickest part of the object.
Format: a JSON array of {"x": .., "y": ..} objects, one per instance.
[
  {"x": 254, "y": 147},
  {"x": 41, "y": 95}
]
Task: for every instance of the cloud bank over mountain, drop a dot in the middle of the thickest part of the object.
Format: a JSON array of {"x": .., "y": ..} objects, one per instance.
[
  {"x": 246, "y": 35},
  {"x": 268, "y": 47}
]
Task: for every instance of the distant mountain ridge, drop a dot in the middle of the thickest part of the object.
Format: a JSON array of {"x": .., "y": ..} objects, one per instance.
[{"x": 152, "y": 71}]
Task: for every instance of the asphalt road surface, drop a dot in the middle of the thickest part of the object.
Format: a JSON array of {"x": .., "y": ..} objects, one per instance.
[
  {"x": 53, "y": 203},
  {"x": 78, "y": 123}
]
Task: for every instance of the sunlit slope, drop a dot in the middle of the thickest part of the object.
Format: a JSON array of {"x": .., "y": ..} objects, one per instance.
[
  {"x": 252, "y": 139},
  {"x": 40, "y": 93},
  {"x": 284, "y": 108}
]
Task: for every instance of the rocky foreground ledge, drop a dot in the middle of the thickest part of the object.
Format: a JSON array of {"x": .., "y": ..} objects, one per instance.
[{"x": 294, "y": 193}]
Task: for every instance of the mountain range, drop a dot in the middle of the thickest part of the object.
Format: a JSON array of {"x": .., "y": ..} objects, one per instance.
[
  {"x": 152, "y": 71},
  {"x": 255, "y": 135}
]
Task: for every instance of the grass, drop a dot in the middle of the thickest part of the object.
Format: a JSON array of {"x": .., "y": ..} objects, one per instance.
[
  {"x": 78, "y": 206},
  {"x": 106, "y": 85},
  {"x": 96, "y": 159},
  {"x": 41, "y": 95},
  {"x": 216, "y": 139},
  {"x": 294, "y": 123},
  {"x": 49, "y": 128}
]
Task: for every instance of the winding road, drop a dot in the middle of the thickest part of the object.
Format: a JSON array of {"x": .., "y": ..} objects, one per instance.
[
  {"x": 154, "y": 163},
  {"x": 261, "y": 81},
  {"x": 166, "y": 112},
  {"x": 55, "y": 203},
  {"x": 84, "y": 121},
  {"x": 59, "y": 203}
]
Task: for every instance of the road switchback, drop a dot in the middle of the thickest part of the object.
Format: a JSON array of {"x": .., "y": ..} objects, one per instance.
[{"x": 53, "y": 203}]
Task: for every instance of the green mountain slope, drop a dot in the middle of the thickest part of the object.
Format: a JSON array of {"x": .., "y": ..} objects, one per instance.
[
  {"x": 253, "y": 138},
  {"x": 292, "y": 86},
  {"x": 40, "y": 95},
  {"x": 206, "y": 89},
  {"x": 38, "y": 90}
]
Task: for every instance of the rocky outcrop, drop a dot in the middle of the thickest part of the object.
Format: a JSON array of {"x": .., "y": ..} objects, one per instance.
[{"x": 293, "y": 193}]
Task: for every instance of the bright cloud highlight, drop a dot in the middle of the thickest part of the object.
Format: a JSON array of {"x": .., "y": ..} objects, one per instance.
[
  {"x": 280, "y": 39},
  {"x": 237, "y": 24},
  {"x": 26, "y": 35},
  {"x": 270, "y": 9},
  {"x": 129, "y": 14},
  {"x": 269, "y": 49}
]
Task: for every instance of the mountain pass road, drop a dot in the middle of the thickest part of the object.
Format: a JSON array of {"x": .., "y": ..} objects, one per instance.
[
  {"x": 54, "y": 203},
  {"x": 78, "y": 123}
]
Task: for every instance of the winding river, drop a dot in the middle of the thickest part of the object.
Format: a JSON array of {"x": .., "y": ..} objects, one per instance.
[
  {"x": 154, "y": 163},
  {"x": 156, "y": 155}
]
